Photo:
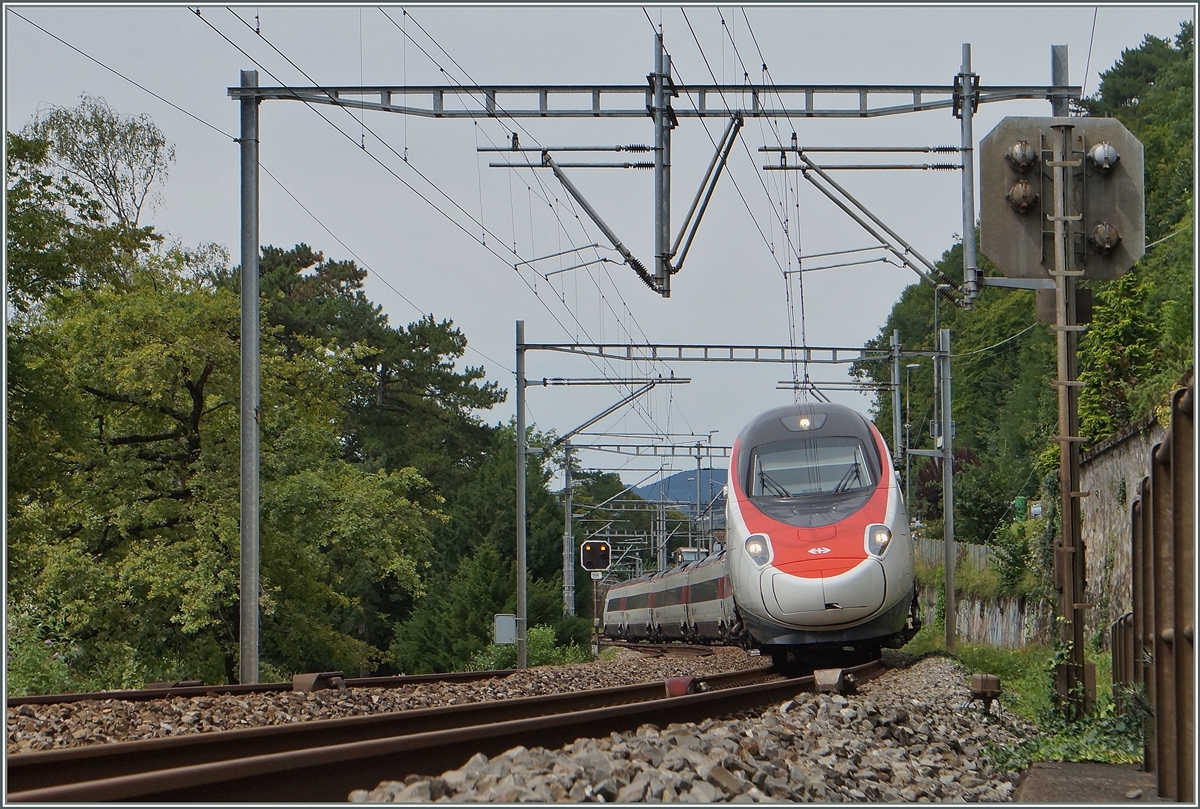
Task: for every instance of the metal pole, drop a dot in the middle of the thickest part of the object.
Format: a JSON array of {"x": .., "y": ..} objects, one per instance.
[
  {"x": 908, "y": 436},
  {"x": 666, "y": 178},
  {"x": 661, "y": 273},
  {"x": 521, "y": 451},
  {"x": 699, "y": 532},
  {"x": 1059, "y": 106},
  {"x": 1074, "y": 576},
  {"x": 662, "y": 531},
  {"x": 897, "y": 450},
  {"x": 937, "y": 375},
  {"x": 248, "y": 634},
  {"x": 970, "y": 263},
  {"x": 951, "y": 559},
  {"x": 1073, "y": 681},
  {"x": 568, "y": 537}
]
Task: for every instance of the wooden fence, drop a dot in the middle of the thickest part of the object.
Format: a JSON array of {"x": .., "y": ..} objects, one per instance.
[{"x": 933, "y": 552}]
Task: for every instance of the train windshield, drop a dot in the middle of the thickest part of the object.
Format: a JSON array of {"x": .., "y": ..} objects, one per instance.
[{"x": 826, "y": 465}]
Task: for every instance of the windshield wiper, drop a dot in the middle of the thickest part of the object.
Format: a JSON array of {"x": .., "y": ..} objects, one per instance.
[
  {"x": 851, "y": 474},
  {"x": 768, "y": 482}
]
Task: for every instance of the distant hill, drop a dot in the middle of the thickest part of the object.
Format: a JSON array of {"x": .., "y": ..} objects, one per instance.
[{"x": 681, "y": 487}]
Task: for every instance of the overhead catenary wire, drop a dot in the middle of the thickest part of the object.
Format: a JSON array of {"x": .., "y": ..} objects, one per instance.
[
  {"x": 502, "y": 112},
  {"x": 378, "y": 276},
  {"x": 637, "y": 406},
  {"x": 733, "y": 179},
  {"x": 553, "y": 206},
  {"x": 994, "y": 345},
  {"x": 381, "y": 163},
  {"x": 769, "y": 80},
  {"x": 800, "y": 391}
]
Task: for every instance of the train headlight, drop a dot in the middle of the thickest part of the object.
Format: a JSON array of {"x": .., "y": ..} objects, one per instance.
[
  {"x": 758, "y": 548},
  {"x": 878, "y": 539}
]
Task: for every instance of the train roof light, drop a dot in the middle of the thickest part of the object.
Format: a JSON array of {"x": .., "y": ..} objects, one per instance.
[{"x": 804, "y": 421}]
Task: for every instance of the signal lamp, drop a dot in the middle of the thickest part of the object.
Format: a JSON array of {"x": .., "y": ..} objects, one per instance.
[
  {"x": 595, "y": 555},
  {"x": 1103, "y": 156},
  {"x": 1022, "y": 196},
  {"x": 1021, "y": 156},
  {"x": 1105, "y": 237}
]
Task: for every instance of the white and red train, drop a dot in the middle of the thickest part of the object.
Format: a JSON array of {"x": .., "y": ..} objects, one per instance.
[{"x": 818, "y": 559}]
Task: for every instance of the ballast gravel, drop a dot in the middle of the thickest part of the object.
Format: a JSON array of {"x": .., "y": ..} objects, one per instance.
[
  {"x": 908, "y": 735},
  {"x": 54, "y": 726}
]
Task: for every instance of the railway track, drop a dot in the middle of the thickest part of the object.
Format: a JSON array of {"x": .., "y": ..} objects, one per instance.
[
  {"x": 325, "y": 760},
  {"x": 660, "y": 649},
  {"x": 189, "y": 689}
]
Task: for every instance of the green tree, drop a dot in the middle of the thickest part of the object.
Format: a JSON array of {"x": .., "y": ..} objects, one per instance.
[
  {"x": 57, "y": 237},
  {"x": 1140, "y": 343},
  {"x": 120, "y": 159},
  {"x": 1002, "y": 363},
  {"x": 472, "y": 574},
  {"x": 136, "y": 544},
  {"x": 1138, "y": 346},
  {"x": 414, "y": 406}
]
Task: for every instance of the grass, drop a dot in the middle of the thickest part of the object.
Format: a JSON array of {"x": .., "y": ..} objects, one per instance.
[
  {"x": 1027, "y": 690},
  {"x": 987, "y": 584}
]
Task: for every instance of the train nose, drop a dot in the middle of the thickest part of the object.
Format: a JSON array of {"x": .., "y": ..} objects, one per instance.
[{"x": 825, "y": 600}]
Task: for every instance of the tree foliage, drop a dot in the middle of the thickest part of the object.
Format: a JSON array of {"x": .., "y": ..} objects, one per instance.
[
  {"x": 1141, "y": 342},
  {"x": 413, "y": 405},
  {"x": 121, "y": 160},
  {"x": 134, "y": 537},
  {"x": 123, "y": 463},
  {"x": 387, "y": 520}
]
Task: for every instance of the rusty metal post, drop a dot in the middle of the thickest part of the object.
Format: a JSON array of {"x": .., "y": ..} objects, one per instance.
[
  {"x": 1164, "y": 613},
  {"x": 1072, "y": 680},
  {"x": 1184, "y": 536},
  {"x": 1146, "y": 624},
  {"x": 1162, "y": 623}
]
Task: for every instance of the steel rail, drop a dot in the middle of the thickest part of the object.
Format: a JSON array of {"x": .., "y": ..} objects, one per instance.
[
  {"x": 331, "y": 771},
  {"x": 49, "y": 768},
  {"x": 658, "y": 649},
  {"x": 144, "y": 694}
]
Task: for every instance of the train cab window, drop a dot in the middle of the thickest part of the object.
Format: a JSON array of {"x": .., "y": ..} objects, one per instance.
[{"x": 825, "y": 465}]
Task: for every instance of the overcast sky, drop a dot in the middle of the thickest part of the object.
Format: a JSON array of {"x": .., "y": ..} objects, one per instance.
[{"x": 732, "y": 289}]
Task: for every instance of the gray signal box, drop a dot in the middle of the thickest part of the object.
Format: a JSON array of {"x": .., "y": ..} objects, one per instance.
[
  {"x": 506, "y": 628},
  {"x": 1106, "y": 188}
]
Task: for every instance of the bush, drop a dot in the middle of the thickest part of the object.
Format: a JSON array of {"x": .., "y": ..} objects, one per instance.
[
  {"x": 37, "y": 655},
  {"x": 1028, "y": 692},
  {"x": 540, "y": 650},
  {"x": 573, "y": 631}
]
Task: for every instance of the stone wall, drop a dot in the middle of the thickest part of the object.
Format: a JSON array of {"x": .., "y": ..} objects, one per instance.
[
  {"x": 1112, "y": 473},
  {"x": 1008, "y": 623}
]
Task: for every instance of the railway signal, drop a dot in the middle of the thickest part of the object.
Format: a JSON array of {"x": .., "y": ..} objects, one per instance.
[
  {"x": 1063, "y": 199},
  {"x": 595, "y": 555},
  {"x": 1103, "y": 196}
]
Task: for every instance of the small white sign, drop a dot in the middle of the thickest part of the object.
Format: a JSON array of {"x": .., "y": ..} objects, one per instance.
[
  {"x": 506, "y": 628},
  {"x": 597, "y": 575}
]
